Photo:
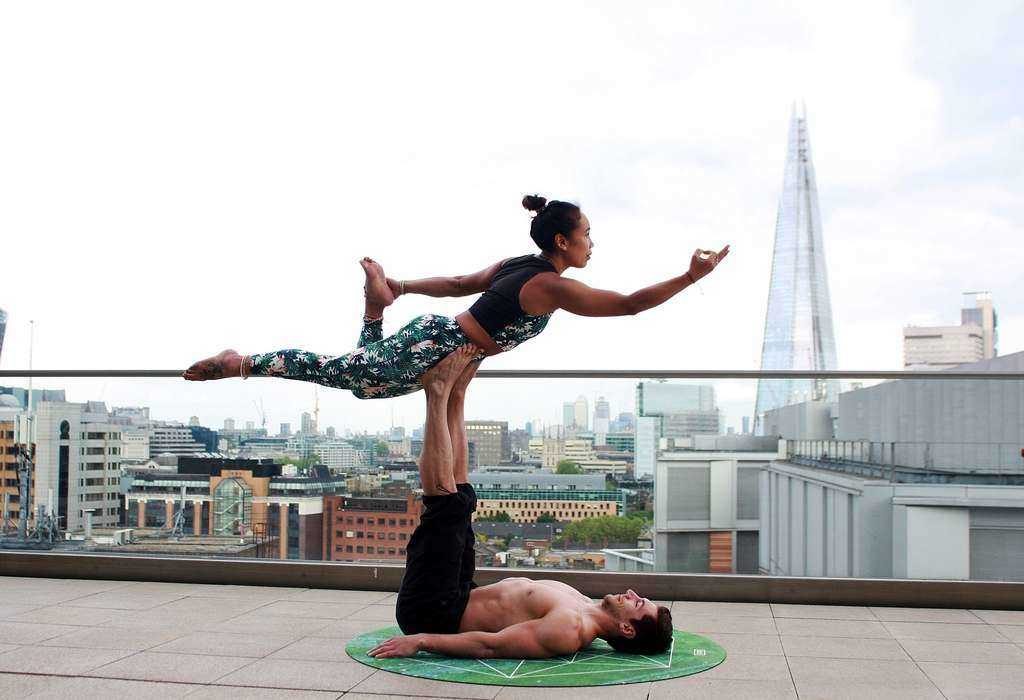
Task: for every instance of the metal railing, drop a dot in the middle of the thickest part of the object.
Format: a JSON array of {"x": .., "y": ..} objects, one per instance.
[
  {"x": 578, "y": 374},
  {"x": 851, "y": 591}
]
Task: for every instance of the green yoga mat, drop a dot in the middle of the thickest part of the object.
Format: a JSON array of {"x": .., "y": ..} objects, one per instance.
[{"x": 598, "y": 664}]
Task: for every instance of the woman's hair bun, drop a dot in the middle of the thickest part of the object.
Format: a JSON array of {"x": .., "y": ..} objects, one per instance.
[{"x": 534, "y": 202}]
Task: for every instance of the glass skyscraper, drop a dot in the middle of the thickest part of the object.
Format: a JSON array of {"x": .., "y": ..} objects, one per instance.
[{"x": 798, "y": 330}]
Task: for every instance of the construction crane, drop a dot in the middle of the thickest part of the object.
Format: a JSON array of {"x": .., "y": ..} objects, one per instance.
[
  {"x": 316, "y": 411},
  {"x": 262, "y": 413}
]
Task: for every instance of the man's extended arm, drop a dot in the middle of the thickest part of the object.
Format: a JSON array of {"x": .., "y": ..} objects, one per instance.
[{"x": 536, "y": 639}]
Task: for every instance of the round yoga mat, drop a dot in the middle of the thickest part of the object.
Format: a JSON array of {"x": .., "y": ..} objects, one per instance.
[{"x": 598, "y": 664}]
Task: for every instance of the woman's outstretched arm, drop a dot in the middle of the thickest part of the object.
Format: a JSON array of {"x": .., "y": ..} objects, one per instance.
[
  {"x": 576, "y": 297},
  {"x": 458, "y": 286}
]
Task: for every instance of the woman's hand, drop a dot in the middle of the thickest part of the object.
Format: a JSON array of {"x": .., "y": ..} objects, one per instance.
[{"x": 704, "y": 261}]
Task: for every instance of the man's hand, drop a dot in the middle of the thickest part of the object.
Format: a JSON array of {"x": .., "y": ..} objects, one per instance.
[
  {"x": 397, "y": 646},
  {"x": 704, "y": 261}
]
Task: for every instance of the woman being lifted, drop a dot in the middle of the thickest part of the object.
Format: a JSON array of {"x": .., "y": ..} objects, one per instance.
[{"x": 518, "y": 297}]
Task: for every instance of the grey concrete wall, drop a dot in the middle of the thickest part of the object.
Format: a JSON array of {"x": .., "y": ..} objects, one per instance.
[{"x": 968, "y": 423}]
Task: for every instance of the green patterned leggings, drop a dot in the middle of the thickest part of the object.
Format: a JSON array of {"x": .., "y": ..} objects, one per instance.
[{"x": 380, "y": 368}]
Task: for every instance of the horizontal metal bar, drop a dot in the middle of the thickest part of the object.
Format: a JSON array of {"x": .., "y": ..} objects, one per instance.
[
  {"x": 659, "y": 586},
  {"x": 575, "y": 374}
]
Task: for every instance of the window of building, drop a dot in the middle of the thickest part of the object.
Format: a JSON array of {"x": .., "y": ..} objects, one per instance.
[
  {"x": 359, "y": 534},
  {"x": 401, "y": 551},
  {"x": 402, "y": 522},
  {"x": 402, "y": 536},
  {"x": 359, "y": 521},
  {"x": 348, "y": 548},
  {"x": 391, "y": 535},
  {"x": 359, "y": 549},
  {"x": 391, "y": 522}
]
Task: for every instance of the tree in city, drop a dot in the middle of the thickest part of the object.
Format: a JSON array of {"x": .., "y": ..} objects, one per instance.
[
  {"x": 382, "y": 449},
  {"x": 602, "y": 530},
  {"x": 567, "y": 466},
  {"x": 546, "y": 517},
  {"x": 499, "y": 517}
]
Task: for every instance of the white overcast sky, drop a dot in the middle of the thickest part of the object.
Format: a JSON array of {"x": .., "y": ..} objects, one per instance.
[{"x": 176, "y": 178}]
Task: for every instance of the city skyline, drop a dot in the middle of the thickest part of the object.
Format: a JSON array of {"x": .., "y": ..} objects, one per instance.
[{"x": 915, "y": 147}]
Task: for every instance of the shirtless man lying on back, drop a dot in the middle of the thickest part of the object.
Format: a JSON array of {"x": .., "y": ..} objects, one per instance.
[{"x": 441, "y": 610}]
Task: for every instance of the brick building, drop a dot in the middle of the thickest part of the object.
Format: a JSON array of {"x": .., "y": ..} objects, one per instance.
[
  {"x": 8, "y": 462},
  {"x": 359, "y": 529}
]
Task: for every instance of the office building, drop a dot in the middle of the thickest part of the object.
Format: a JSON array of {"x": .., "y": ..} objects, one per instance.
[
  {"x": 661, "y": 398},
  {"x": 206, "y": 437},
  {"x": 602, "y": 420},
  {"x": 621, "y": 442},
  {"x": 820, "y": 521},
  {"x": 624, "y": 423},
  {"x": 77, "y": 463},
  {"x": 581, "y": 413},
  {"x": 285, "y": 430},
  {"x": 3, "y": 330},
  {"x": 132, "y": 415},
  {"x": 173, "y": 439},
  {"x": 361, "y": 529},
  {"x": 568, "y": 415},
  {"x": 135, "y": 445},
  {"x": 38, "y": 395},
  {"x": 526, "y": 497},
  {"x": 944, "y": 347},
  {"x": 798, "y": 333},
  {"x": 648, "y": 433},
  {"x": 10, "y": 500},
  {"x": 670, "y": 410},
  {"x": 339, "y": 455},
  {"x": 490, "y": 442},
  {"x": 913, "y": 479},
  {"x": 307, "y": 424},
  {"x": 706, "y": 511},
  {"x": 235, "y": 498},
  {"x": 229, "y": 424}
]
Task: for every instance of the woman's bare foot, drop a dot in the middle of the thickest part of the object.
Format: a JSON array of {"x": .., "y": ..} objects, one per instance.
[
  {"x": 442, "y": 376},
  {"x": 377, "y": 290},
  {"x": 224, "y": 364},
  {"x": 465, "y": 377}
]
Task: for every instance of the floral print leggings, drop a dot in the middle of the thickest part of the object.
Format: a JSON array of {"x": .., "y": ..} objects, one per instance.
[{"x": 380, "y": 367}]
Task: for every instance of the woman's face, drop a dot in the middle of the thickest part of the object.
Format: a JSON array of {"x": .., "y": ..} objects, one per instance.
[{"x": 577, "y": 246}]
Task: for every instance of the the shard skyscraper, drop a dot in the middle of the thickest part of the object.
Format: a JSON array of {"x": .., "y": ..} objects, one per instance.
[{"x": 798, "y": 323}]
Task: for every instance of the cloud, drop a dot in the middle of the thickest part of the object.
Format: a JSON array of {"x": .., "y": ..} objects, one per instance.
[{"x": 179, "y": 180}]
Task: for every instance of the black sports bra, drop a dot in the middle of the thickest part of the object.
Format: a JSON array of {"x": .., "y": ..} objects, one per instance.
[{"x": 499, "y": 305}]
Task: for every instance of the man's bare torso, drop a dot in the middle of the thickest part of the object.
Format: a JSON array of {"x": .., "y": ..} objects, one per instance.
[{"x": 514, "y": 600}]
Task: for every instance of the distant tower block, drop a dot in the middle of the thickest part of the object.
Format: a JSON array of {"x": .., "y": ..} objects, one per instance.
[
  {"x": 3, "y": 329},
  {"x": 798, "y": 332}
]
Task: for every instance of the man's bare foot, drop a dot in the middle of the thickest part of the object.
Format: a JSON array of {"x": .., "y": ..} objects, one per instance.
[
  {"x": 442, "y": 376},
  {"x": 224, "y": 364},
  {"x": 376, "y": 288}
]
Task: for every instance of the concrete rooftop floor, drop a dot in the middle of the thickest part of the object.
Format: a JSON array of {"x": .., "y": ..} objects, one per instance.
[{"x": 65, "y": 638}]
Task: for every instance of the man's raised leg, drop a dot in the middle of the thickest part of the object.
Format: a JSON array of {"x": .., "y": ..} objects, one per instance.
[
  {"x": 457, "y": 423},
  {"x": 437, "y": 475}
]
